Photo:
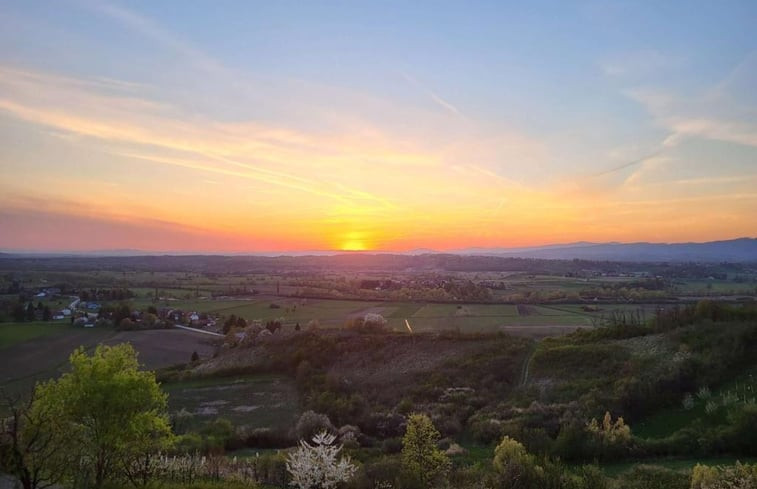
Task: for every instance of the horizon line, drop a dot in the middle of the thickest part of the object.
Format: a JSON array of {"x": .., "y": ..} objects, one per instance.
[{"x": 121, "y": 252}]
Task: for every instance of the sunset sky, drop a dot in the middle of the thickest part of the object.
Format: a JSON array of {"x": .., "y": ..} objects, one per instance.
[{"x": 282, "y": 126}]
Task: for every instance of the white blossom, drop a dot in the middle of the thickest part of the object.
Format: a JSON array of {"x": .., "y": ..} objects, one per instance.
[{"x": 317, "y": 466}]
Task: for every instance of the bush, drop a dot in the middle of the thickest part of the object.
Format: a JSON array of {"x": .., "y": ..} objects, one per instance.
[
  {"x": 391, "y": 445},
  {"x": 312, "y": 423},
  {"x": 268, "y": 438},
  {"x": 370, "y": 323},
  {"x": 515, "y": 468},
  {"x": 384, "y": 470},
  {"x": 739, "y": 476},
  {"x": 653, "y": 477}
]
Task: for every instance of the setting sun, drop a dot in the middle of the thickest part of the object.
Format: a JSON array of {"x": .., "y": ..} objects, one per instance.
[{"x": 353, "y": 244}]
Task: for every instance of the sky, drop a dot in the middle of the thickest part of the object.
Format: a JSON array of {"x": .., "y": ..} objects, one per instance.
[{"x": 288, "y": 126}]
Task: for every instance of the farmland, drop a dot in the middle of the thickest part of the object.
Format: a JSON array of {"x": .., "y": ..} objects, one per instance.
[
  {"x": 534, "y": 355},
  {"x": 42, "y": 350},
  {"x": 13, "y": 333},
  {"x": 422, "y": 317}
]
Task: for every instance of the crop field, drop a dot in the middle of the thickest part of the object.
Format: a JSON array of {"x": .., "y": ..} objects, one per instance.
[
  {"x": 37, "y": 351},
  {"x": 43, "y": 356},
  {"x": 480, "y": 318},
  {"x": 263, "y": 401},
  {"x": 707, "y": 287},
  {"x": 496, "y": 317},
  {"x": 159, "y": 348},
  {"x": 13, "y": 333}
]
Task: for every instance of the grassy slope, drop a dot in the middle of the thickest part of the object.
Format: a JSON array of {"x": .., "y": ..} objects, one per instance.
[
  {"x": 668, "y": 421},
  {"x": 257, "y": 401}
]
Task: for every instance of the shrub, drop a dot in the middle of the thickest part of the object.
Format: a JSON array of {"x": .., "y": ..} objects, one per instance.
[
  {"x": 739, "y": 476},
  {"x": 514, "y": 466},
  {"x": 385, "y": 470},
  {"x": 312, "y": 423},
  {"x": 653, "y": 477},
  {"x": 267, "y": 438}
]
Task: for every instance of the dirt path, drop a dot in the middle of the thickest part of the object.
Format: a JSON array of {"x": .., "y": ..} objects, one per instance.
[
  {"x": 202, "y": 331},
  {"x": 526, "y": 364}
]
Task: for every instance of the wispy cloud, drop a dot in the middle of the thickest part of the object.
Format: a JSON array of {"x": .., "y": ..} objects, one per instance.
[
  {"x": 629, "y": 164},
  {"x": 150, "y": 29},
  {"x": 637, "y": 64},
  {"x": 447, "y": 106},
  {"x": 726, "y": 111}
]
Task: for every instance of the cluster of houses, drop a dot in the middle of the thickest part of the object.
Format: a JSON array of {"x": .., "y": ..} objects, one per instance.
[
  {"x": 87, "y": 313},
  {"x": 192, "y": 318},
  {"x": 49, "y": 292}
]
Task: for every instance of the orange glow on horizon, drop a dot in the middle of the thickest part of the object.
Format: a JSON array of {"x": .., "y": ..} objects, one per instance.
[{"x": 129, "y": 173}]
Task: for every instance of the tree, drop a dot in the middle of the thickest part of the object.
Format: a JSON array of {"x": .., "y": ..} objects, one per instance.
[
  {"x": 107, "y": 408},
  {"x": 229, "y": 324},
  {"x": 29, "y": 447},
  {"x": 514, "y": 466},
  {"x": 421, "y": 458},
  {"x": 30, "y": 312},
  {"x": 317, "y": 466},
  {"x": 19, "y": 313},
  {"x": 312, "y": 423},
  {"x": 610, "y": 431},
  {"x": 46, "y": 314}
]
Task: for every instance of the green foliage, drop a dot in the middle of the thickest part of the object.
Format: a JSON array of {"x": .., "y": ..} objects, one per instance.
[
  {"x": 29, "y": 447},
  {"x": 421, "y": 459},
  {"x": 110, "y": 412},
  {"x": 609, "y": 431},
  {"x": 739, "y": 476},
  {"x": 653, "y": 477},
  {"x": 312, "y": 423},
  {"x": 515, "y": 468}
]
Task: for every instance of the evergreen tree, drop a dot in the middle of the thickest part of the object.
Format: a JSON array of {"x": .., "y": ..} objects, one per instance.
[{"x": 421, "y": 458}]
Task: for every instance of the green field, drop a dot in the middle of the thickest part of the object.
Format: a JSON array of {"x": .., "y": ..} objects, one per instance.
[
  {"x": 422, "y": 317},
  {"x": 262, "y": 401},
  {"x": 14, "y": 333}
]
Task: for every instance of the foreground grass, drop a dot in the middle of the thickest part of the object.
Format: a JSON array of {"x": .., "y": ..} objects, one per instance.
[
  {"x": 682, "y": 464},
  {"x": 667, "y": 421}
]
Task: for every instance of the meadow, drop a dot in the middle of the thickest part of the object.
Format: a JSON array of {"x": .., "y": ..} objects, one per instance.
[{"x": 261, "y": 401}]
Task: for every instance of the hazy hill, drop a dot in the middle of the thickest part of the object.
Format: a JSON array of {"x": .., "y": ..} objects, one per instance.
[{"x": 735, "y": 250}]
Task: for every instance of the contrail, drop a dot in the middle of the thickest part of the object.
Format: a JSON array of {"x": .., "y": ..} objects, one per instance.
[
  {"x": 630, "y": 163},
  {"x": 436, "y": 98}
]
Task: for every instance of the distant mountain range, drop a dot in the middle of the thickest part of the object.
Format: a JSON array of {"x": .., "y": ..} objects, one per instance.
[{"x": 734, "y": 250}]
